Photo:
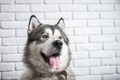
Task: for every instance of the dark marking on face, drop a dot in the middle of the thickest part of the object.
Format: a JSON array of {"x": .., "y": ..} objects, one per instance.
[{"x": 36, "y": 34}]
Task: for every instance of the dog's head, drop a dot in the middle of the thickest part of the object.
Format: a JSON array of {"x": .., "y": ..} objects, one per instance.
[{"x": 47, "y": 46}]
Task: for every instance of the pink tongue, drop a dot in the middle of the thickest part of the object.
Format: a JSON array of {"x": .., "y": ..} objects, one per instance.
[{"x": 55, "y": 62}]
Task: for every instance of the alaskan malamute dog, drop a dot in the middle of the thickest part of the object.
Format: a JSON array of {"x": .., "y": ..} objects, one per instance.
[{"x": 47, "y": 53}]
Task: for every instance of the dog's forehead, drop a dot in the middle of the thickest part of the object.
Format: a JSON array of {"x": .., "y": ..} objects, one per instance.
[
  {"x": 53, "y": 31},
  {"x": 48, "y": 31},
  {"x": 57, "y": 32}
]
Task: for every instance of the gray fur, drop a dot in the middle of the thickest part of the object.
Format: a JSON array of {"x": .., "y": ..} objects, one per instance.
[{"x": 37, "y": 67}]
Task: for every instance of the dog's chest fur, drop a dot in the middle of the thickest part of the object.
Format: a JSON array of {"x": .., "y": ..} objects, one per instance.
[{"x": 59, "y": 76}]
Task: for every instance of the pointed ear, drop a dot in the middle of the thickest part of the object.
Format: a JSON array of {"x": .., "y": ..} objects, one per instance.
[
  {"x": 61, "y": 23},
  {"x": 33, "y": 23}
]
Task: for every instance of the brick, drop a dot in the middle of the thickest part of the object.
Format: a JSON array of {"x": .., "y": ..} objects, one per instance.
[
  {"x": 73, "y": 7},
  {"x": 80, "y": 71},
  {"x": 14, "y": 75},
  {"x": 6, "y": 1},
  {"x": 95, "y": 70},
  {"x": 69, "y": 31},
  {"x": 79, "y": 55},
  {"x": 118, "y": 38},
  {"x": 103, "y": 70},
  {"x": 110, "y": 15},
  {"x": 111, "y": 30},
  {"x": 83, "y": 77},
  {"x": 21, "y": 49},
  {"x": 102, "y": 38},
  {"x": 58, "y": 15},
  {"x": 111, "y": 77},
  {"x": 100, "y": 7},
  {"x": 118, "y": 54},
  {"x": 95, "y": 62},
  {"x": 95, "y": 77},
  {"x": 112, "y": 46},
  {"x": 58, "y": 1},
  {"x": 118, "y": 69},
  {"x": 12, "y": 57},
  {"x": 89, "y": 46},
  {"x": 89, "y": 77},
  {"x": 6, "y": 16},
  {"x": 72, "y": 47},
  {"x": 100, "y": 23},
  {"x": 85, "y": 15},
  {"x": 81, "y": 63},
  {"x": 6, "y": 66},
  {"x": 28, "y": 1},
  {"x": 86, "y": 63},
  {"x": 7, "y": 33},
  {"x": 8, "y": 49},
  {"x": 20, "y": 66},
  {"x": 86, "y": 1},
  {"x": 49, "y": 21},
  {"x": 117, "y": 7},
  {"x": 77, "y": 39},
  {"x": 117, "y": 23},
  {"x": 44, "y": 8},
  {"x": 111, "y": 62},
  {"x": 21, "y": 32},
  {"x": 102, "y": 54},
  {"x": 0, "y": 41},
  {"x": 14, "y": 8},
  {"x": 26, "y": 16},
  {"x": 75, "y": 23},
  {"x": 14, "y": 24},
  {"x": 14, "y": 41},
  {"x": 87, "y": 31},
  {"x": 110, "y": 1}
]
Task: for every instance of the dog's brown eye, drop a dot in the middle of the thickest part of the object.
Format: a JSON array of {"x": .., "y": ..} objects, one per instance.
[
  {"x": 60, "y": 37},
  {"x": 44, "y": 36}
]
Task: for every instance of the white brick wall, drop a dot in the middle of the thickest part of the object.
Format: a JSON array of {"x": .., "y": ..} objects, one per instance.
[{"x": 93, "y": 27}]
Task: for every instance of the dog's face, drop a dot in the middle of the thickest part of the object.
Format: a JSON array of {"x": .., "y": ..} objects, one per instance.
[{"x": 47, "y": 46}]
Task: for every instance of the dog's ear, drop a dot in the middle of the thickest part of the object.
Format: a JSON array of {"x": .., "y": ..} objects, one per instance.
[
  {"x": 61, "y": 23},
  {"x": 33, "y": 23}
]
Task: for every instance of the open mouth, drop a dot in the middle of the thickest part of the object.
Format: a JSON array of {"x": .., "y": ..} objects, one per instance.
[{"x": 52, "y": 60}]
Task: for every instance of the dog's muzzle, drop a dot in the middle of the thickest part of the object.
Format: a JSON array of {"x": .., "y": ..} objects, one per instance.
[{"x": 53, "y": 60}]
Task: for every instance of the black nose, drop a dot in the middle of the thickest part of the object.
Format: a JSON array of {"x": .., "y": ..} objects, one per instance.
[{"x": 57, "y": 44}]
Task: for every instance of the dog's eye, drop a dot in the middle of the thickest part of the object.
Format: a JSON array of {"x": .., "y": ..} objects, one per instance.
[
  {"x": 44, "y": 36},
  {"x": 60, "y": 37}
]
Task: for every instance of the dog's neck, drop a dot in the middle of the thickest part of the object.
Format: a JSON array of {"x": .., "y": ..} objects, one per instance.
[{"x": 43, "y": 75}]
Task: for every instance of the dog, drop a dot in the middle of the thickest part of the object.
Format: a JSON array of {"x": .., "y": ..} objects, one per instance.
[{"x": 47, "y": 52}]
